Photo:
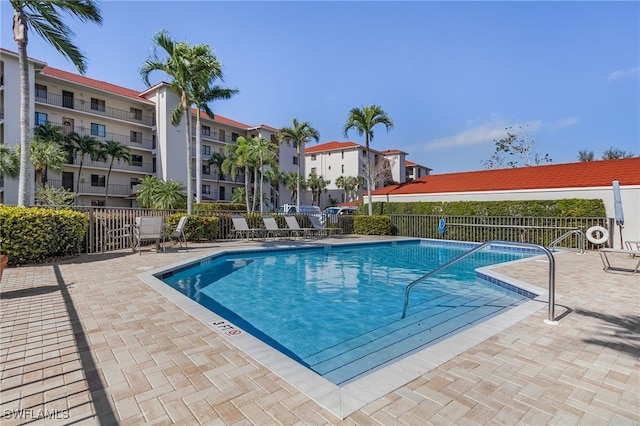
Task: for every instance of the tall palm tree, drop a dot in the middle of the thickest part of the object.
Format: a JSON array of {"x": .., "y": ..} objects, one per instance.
[
  {"x": 239, "y": 158},
  {"x": 299, "y": 133},
  {"x": 202, "y": 93},
  {"x": 295, "y": 183},
  {"x": 265, "y": 153},
  {"x": 45, "y": 18},
  {"x": 317, "y": 184},
  {"x": 363, "y": 120},
  {"x": 186, "y": 65},
  {"x": 85, "y": 146},
  {"x": 217, "y": 159},
  {"x": 275, "y": 176},
  {"x": 9, "y": 162},
  {"x": 116, "y": 152},
  {"x": 49, "y": 150}
]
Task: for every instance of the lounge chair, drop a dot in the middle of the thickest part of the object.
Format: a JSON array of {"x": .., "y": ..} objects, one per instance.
[
  {"x": 148, "y": 228},
  {"x": 294, "y": 227},
  {"x": 178, "y": 234},
  {"x": 272, "y": 227},
  {"x": 241, "y": 228},
  {"x": 625, "y": 260},
  {"x": 315, "y": 223}
]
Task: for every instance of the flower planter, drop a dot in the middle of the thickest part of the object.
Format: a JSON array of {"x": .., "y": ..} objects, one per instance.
[{"x": 4, "y": 259}]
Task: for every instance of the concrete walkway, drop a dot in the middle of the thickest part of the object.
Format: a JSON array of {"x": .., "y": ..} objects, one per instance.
[{"x": 84, "y": 341}]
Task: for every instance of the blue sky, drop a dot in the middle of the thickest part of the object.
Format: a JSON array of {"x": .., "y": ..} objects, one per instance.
[{"x": 452, "y": 75}]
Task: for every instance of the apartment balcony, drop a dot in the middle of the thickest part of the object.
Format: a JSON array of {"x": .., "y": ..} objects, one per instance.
[
  {"x": 134, "y": 167},
  {"x": 223, "y": 137},
  {"x": 87, "y": 188},
  {"x": 213, "y": 176},
  {"x": 85, "y": 106},
  {"x": 127, "y": 140}
]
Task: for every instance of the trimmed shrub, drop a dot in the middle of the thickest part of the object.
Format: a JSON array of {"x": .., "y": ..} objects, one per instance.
[
  {"x": 197, "y": 228},
  {"x": 372, "y": 225},
  {"x": 32, "y": 235}
]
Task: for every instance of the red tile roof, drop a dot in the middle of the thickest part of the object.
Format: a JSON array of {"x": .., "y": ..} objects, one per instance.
[
  {"x": 224, "y": 120},
  {"x": 329, "y": 146},
  {"x": 96, "y": 84},
  {"x": 569, "y": 175}
]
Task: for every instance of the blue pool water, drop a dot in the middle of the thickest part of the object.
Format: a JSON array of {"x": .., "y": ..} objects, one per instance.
[{"x": 337, "y": 309}]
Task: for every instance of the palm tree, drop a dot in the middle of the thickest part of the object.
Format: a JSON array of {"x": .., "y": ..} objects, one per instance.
[
  {"x": 159, "y": 194},
  {"x": 317, "y": 184},
  {"x": 116, "y": 152},
  {"x": 45, "y": 155},
  {"x": 275, "y": 176},
  {"x": 9, "y": 162},
  {"x": 202, "y": 93},
  {"x": 85, "y": 145},
  {"x": 44, "y": 17},
  {"x": 295, "y": 183},
  {"x": 238, "y": 158},
  {"x": 363, "y": 120},
  {"x": 49, "y": 150},
  {"x": 299, "y": 134},
  {"x": 265, "y": 153},
  {"x": 187, "y": 66},
  {"x": 217, "y": 159},
  {"x": 146, "y": 190}
]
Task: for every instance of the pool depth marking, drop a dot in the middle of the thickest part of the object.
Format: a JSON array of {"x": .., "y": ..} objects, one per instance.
[{"x": 226, "y": 327}]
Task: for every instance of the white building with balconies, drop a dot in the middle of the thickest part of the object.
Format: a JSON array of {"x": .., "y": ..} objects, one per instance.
[{"x": 139, "y": 120}]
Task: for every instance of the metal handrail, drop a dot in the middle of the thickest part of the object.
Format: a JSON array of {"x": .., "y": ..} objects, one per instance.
[
  {"x": 552, "y": 273},
  {"x": 581, "y": 243}
]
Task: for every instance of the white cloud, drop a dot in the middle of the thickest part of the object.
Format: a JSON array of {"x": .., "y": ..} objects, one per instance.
[
  {"x": 624, "y": 73},
  {"x": 562, "y": 123}
]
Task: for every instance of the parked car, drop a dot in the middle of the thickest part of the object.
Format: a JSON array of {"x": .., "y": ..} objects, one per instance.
[
  {"x": 292, "y": 209},
  {"x": 330, "y": 214}
]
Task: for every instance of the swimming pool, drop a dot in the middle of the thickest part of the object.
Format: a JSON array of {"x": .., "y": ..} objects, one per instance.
[{"x": 337, "y": 309}]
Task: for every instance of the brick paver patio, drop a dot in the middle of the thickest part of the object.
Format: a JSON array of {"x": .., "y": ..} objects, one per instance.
[{"x": 84, "y": 341}]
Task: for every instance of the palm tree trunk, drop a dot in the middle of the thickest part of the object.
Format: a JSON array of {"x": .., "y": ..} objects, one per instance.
[
  {"x": 246, "y": 187},
  {"x": 106, "y": 189},
  {"x": 369, "y": 177},
  {"x": 25, "y": 195},
  {"x": 198, "y": 159},
  {"x": 79, "y": 173},
  {"x": 187, "y": 132},
  {"x": 298, "y": 183}
]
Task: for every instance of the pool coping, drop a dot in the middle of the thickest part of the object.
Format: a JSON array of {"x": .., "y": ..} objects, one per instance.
[{"x": 343, "y": 401}]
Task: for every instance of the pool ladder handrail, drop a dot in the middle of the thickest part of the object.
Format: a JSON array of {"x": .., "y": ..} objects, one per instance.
[
  {"x": 581, "y": 239},
  {"x": 552, "y": 273}
]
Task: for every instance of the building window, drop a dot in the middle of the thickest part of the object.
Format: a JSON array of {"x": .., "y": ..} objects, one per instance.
[
  {"x": 313, "y": 171},
  {"x": 221, "y": 135},
  {"x": 41, "y": 92},
  {"x": 97, "y": 104},
  {"x": 97, "y": 203},
  {"x": 136, "y": 160},
  {"x": 98, "y": 180},
  {"x": 135, "y": 136},
  {"x": 294, "y": 144},
  {"x": 234, "y": 136},
  {"x": 364, "y": 152},
  {"x": 135, "y": 181},
  {"x": 136, "y": 114},
  {"x": 98, "y": 130},
  {"x": 295, "y": 160},
  {"x": 342, "y": 153},
  {"x": 206, "y": 169},
  {"x": 313, "y": 157},
  {"x": 343, "y": 168},
  {"x": 41, "y": 118},
  {"x": 206, "y": 131},
  {"x": 206, "y": 189},
  {"x": 206, "y": 150}
]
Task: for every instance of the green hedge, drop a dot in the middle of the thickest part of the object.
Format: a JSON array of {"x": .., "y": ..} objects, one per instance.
[
  {"x": 197, "y": 228},
  {"x": 33, "y": 235},
  {"x": 219, "y": 207},
  {"x": 571, "y": 207},
  {"x": 372, "y": 225}
]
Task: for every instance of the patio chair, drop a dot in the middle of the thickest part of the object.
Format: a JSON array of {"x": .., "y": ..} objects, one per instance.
[
  {"x": 241, "y": 228},
  {"x": 178, "y": 234},
  {"x": 148, "y": 228},
  {"x": 294, "y": 227},
  {"x": 315, "y": 223},
  {"x": 272, "y": 228},
  {"x": 625, "y": 260}
]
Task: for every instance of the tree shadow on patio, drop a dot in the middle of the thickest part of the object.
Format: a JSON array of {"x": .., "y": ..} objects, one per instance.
[{"x": 621, "y": 332}]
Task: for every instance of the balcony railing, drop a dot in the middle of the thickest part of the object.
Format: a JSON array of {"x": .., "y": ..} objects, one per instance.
[
  {"x": 141, "y": 143},
  {"x": 223, "y": 178},
  {"x": 135, "y": 167},
  {"x": 85, "y": 106},
  {"x": 89, "y": 188}
]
